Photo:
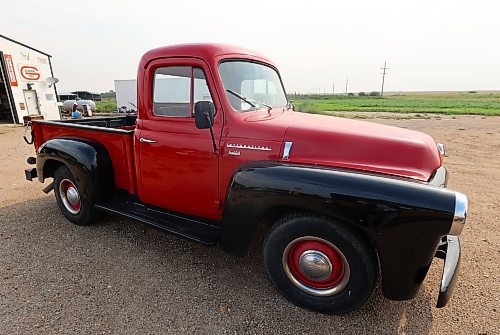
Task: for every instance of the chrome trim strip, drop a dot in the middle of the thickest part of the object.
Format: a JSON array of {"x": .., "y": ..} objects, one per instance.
[
  {"x": 461, "y": 206},
  {"x": 249, "y": 147},
  {"x": 286, "y": 150},
  {"x": 441, "y": 149}
]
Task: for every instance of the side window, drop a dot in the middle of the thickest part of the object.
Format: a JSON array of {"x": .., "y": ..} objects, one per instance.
[
  {"x": 172, "y": 91},
  {"x": 200, "y": 89}
]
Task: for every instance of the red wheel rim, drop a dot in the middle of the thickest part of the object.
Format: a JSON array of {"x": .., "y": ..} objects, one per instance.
[
  {"x": 337, "y": 266},
  {"x": 316, "y": 266},
  {"x": 70, "y": 196}
]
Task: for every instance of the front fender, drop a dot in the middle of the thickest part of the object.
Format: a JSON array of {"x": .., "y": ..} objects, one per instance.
[
  {"x": 87, "y": 160},
  {"x": 405, "y": 220}
]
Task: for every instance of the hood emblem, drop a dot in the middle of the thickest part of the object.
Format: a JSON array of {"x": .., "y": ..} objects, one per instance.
[
  {"x": 249, "y": 147},
  {"x": 286, "y": 151}
]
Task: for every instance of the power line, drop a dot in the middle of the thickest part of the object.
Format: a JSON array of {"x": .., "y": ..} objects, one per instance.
[{"x": 383, "y": 77}]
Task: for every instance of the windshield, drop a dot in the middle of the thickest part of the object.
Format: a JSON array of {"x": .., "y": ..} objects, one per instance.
[{"x": 250, "y": 85}]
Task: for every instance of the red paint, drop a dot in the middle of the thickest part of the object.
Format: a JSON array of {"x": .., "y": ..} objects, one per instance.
[
  {"x": 181, "y": 173},
  {"x": 68, "y": 184},
  {"x": 338, "y": 270},
  {"x": 118, "y": 146},
  {"x": 9, "y": 64}
]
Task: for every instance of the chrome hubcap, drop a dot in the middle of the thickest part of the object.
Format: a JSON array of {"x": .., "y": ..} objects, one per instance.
[
  {"x": 70, "y": 196},
  {"x": 315, "y": 265}
]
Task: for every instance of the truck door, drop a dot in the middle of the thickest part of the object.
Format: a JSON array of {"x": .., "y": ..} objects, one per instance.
[{"x": 177, "y": 164}]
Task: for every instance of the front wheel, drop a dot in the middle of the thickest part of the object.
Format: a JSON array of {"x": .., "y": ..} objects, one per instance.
[
  {"x": 320, "y": 264},
  {"x": 75, "y": 208}
]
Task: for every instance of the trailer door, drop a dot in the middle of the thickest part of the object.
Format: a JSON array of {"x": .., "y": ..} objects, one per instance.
[{"x": 31, "y": 102}]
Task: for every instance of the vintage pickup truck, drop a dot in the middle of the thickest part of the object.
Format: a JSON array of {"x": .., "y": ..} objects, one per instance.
[{"x": 216, "y": 154}]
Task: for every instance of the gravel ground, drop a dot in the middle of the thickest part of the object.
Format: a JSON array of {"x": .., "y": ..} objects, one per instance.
[{"x": 119, "y": 276}]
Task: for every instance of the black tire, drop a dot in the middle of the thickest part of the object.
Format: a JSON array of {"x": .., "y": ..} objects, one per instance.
[
  {"x": 354, "y": 282},
  {"x": 81, "y": 215}
]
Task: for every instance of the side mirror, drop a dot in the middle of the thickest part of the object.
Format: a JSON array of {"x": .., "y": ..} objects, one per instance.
[{"x": 204, "y": 114}]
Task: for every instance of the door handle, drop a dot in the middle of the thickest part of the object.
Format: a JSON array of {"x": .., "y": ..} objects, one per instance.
[{"x": 146, "y": 140}]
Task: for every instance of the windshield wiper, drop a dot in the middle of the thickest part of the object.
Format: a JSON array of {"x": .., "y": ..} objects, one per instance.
[{"x": 249, "y": 101}]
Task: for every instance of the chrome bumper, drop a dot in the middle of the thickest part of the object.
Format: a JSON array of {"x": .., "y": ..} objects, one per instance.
[{"x": 449, "y": 250}]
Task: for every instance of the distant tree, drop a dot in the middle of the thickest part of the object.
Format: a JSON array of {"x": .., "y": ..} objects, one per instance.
[
  {"x": 362, "y": 94},
  {"x": 374, "y": 94},
  {"x": 350, "y": 94},
  {"x": 109, "y": 95}
]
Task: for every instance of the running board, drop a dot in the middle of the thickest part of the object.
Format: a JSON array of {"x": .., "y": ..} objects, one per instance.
[{"x": 204, "y": 232}]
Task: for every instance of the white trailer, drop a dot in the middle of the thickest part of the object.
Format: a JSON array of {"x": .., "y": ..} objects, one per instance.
[
  {"x": 27, "y": 83},
  {"x": 126, "y": 94}
]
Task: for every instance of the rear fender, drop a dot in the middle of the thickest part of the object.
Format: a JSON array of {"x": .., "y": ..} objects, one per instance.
[{"x": 87, "y": 160}]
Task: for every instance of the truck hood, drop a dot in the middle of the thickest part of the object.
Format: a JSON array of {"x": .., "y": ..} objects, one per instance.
[{"x": 330, "y": 141}]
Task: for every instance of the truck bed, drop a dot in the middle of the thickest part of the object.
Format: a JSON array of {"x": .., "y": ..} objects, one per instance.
[
  {"x": 126, "y": 122},
  {"x": 114, "y": 133}
]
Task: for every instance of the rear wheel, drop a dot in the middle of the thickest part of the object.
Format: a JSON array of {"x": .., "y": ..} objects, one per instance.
[
  {"x": 75, "y": 208},
  {"x": 320, "y": 264}
]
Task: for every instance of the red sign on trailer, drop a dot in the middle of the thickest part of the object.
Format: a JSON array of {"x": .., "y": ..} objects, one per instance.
[
  {"x": 29, "y": 73},
  {"x": 10, "y": 70}
]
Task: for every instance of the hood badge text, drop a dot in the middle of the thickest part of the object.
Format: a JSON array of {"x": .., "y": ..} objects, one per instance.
[{"x": 246, "y": 146}]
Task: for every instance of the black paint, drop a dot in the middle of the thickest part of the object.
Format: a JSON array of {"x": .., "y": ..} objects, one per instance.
[
  {"x": 88, "y": 161},
  {"x": 404, "y": 219}
]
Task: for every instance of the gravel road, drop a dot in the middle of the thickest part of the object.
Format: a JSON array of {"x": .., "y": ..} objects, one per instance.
[{"x": 118, "y": 276}]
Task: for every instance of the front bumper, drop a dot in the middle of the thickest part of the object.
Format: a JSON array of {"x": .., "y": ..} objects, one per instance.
[{"x": 449, "y": 250}]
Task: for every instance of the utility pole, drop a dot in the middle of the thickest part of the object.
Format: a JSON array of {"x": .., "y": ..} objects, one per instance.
[
  {"x": 346, "y": 83},
  {"x": 333, "y": 88},
  {"x": 385, "y": 68}
]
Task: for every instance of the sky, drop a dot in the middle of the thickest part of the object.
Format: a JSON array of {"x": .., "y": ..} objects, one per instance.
[{"x": 438, "y": 45}]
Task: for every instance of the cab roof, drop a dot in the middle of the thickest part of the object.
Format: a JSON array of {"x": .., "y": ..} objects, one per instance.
[{"x": 206, "y": 51}]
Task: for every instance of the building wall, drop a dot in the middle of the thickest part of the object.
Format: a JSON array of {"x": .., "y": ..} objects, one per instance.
[{"x": 22, "y": 56}]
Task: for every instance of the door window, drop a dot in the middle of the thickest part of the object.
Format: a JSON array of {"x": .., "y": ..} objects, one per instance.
[
  {"x": 200, "y": 87},
  {"x": 177, "y": 88}
]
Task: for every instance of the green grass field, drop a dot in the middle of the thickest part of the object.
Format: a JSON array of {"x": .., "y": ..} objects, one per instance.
[
  {"x": 106, "y": 106},
  {"x": 432, "y": 102},
  {"x": 441, "y": 103}
]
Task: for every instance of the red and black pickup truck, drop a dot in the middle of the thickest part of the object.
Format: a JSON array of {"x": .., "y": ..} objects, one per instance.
[{"x": 216, "y": 153}]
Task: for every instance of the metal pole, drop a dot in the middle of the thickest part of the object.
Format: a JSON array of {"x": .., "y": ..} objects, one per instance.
[{"x": 383, "y": 77}]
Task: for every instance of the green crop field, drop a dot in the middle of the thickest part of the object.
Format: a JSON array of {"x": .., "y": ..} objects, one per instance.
[
  {"x": 106, "y": 106},
  {"x": 432, "y": 102},
  {"x": 480, "y": 103}
]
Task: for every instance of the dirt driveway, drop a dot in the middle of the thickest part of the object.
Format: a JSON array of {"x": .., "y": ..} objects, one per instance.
[{"x": 119, "y": 276}]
